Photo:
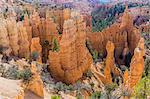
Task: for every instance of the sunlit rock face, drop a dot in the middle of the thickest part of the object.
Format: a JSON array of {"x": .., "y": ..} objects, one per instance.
[
  {"x": 73, "y": 59},
  {"x": 110, "y": 67},
  {"x": 136, "y": 66},
  {"x": 113, "y": 42},
  {"x": 36, "y": 84},
  {"x": 36, "y": 48},
  {"x": 24, "y": 45},
  {"x": 13, "y": 35},
  {"x": 119, "y": 34},
  {"x": 4, "y": 38}
]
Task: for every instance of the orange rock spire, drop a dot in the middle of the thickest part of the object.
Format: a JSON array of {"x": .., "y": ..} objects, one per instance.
[
  {"x": 24, "y": 45},
  {"x": 36, "y": 84},
  {"x": 73, "y": 59}
]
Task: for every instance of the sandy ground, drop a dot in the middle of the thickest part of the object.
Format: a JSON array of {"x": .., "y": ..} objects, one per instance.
[{"x": 9, "y": 88}]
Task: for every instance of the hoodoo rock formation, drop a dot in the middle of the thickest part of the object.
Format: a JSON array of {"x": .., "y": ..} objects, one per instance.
[
  {"x": 130, "y": 78},
  {"x": 36, "y": 48},
  {"x": 110, "y": 60},
  {"x": 35, "y": 23},
  {"x": 113, "y": 42},
  {"x": 59, "y": 38},
  {"x": 36, "y": 84},
  {"x": 136, "y": 65},
  {"x": 73, "y": 59},
  {"x": 119, "y": 34},
  {"x": 23, "y": 42},
  {"x": 13, "y": 35},
  {"x": 4, "y": 38},
  {"x": 26, "y": 24},
  {"x": 110, "y": 67}
]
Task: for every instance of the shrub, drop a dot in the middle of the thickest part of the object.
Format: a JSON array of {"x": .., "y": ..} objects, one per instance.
[
  {"x": 95, "y": 55},
  {"x": 96, "y": 95},
  {"x": 88, "y": 74},
  {"x": 142, "y": 89},
  {"x": 110, "y": 87},
  {"x": 55, "y": 97},
  {"x": 14, "y": 73},
  {"x": 147, "y": 67},
  {"x": 34, "y": 55},
  {"x": 55, "y": 45},
  {"x": 25, "y": 74}
]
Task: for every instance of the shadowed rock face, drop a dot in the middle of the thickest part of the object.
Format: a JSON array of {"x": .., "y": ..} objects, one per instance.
[{"x": 73, "y": 59}]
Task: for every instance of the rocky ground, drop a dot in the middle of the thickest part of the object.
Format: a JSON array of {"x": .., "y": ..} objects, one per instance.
[{"x": 86, "y": 87}]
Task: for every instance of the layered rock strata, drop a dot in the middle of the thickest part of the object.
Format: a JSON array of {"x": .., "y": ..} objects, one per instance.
[
  {"x": 130, "y": 78},
  {"x": 36, "y": 84},
  {"x": 26, "y": 24},
  {"x": 13, "y": 35},
  {"x": 35, "y": 23},
  {"x": 136, "y": 65},
  {"x": 73, "y": 59},
  {"x": 110, "y": 67},
  {"x": 36, "y": 48},
  {"x": 23, "y": 42},
  {"x": 4, "y": 38}
]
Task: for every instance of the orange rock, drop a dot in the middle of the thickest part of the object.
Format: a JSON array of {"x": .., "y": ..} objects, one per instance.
[
  {"x": 66, "y": 14},
  {"x": 4, "y": 39},
  {"x": 26, "y": 24},
  {"x": 36, "y": 47},
  {"x": 125, "y": 77},
  {"x": 110, "y": 60},
  {"x": 36, "y": 84},
  {"x": 35, "y": 23},
  {"x": 24, "y": 50},
  {"x": 137, "y": 65},
  {"x": 99, "y": 76},
  {"x": 127, "y": 20},
  {"x": 13, "y": 35},
  {"x": 73, "y": 59},
  {"x": 119, "y": 34}
]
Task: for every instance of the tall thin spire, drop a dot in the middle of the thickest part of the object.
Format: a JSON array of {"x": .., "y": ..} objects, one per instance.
[{"x": 126, "y": 7}]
